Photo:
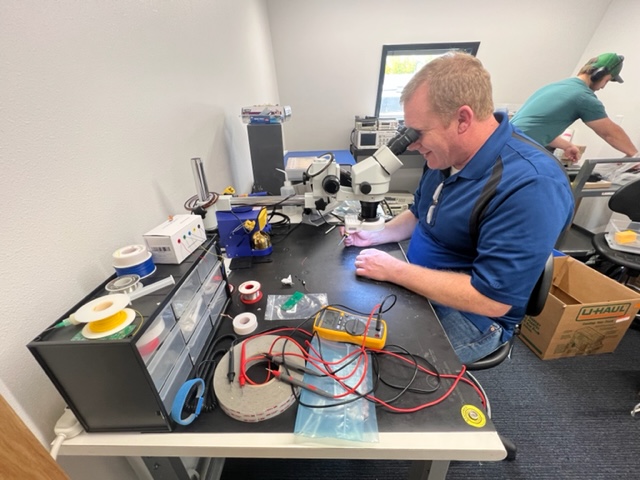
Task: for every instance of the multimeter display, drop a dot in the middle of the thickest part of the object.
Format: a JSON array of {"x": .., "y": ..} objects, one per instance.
[{"x": 341, "y": 326}]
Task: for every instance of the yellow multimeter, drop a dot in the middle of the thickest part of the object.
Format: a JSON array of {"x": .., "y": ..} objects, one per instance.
[{"x": 341, "y": 326}]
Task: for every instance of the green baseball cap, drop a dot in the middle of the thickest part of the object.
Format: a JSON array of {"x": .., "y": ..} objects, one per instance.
[{"x": 612, "y": 62}]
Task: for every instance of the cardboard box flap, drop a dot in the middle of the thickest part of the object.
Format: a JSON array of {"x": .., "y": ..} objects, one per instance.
[{"x": 573, "y": 276}]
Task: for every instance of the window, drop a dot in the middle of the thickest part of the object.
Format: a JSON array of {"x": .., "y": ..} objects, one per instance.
[{"x": 399, "y": 63}]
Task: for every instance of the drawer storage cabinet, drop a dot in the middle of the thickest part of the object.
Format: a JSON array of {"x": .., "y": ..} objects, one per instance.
[{"x": 129, "y": 384}]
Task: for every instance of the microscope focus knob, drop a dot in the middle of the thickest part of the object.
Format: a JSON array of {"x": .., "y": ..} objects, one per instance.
[
  {"x": 365, "y": 187},
  {"x": 331, "y": 184}
]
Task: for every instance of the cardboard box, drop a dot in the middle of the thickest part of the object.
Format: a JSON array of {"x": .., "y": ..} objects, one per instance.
[
  {"x": 586, "y": 313},
  {"x": 175, "y": 239}
]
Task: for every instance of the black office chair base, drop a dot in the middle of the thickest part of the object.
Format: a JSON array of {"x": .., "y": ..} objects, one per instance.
[{"x": 510, "y": 447}]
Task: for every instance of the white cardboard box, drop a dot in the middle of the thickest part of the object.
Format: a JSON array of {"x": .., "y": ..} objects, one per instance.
[{"x": 175, "y": 239}]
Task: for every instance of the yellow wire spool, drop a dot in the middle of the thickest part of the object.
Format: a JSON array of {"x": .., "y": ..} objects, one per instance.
[{"x": 108, "y": 323}]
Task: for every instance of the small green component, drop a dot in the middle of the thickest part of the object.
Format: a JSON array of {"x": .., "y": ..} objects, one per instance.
[
  {"x": 293, "y": 299},
  {"x": 124, "y": 333}
]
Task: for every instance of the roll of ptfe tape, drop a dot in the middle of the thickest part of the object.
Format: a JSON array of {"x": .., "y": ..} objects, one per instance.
[
  {"x": 130, "y": 255},
  {"x": 102, "y": 307},
  {"x": 245, "y": 323},
  {"x": 255, "y": 403}
]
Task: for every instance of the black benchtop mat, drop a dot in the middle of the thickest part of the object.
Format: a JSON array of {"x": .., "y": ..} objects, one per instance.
[{"x": 310, "y": 255}]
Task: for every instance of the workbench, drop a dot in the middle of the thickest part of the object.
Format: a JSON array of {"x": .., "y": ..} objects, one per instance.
[{"x": 431, "y": 438}]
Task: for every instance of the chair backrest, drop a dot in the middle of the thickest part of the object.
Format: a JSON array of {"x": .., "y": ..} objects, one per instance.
[
  {"x": 626, "y": 200},
  {"x": 540, "y": 292}
]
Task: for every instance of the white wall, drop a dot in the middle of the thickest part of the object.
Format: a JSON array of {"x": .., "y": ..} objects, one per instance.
[
  {"x": 102, "y": 105},
  {"x": 327, "y": 52},
  {"x": 617, "y": 33}
]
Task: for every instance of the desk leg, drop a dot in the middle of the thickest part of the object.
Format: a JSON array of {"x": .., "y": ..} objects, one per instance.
[
  {"x": 428, "y": 470},
  {"x": 172, "y": 468},
  {"x": 166, "y": 468}
]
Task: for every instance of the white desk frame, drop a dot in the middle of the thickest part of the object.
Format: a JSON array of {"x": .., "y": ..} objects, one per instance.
[{"x": 431, "y": 451}]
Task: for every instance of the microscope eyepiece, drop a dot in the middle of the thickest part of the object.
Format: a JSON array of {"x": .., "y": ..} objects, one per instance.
[{"x": 405, "y": 137}]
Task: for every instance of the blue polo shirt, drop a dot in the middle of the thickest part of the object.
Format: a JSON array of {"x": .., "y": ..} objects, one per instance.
[{"x": 496, "y": 220}]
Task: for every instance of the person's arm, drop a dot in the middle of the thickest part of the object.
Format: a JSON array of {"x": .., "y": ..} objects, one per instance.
[
  {"x": 397, "y": 229},
  {"x": 445, "y": 287},
  {"x": 614, "y": 135},
  {"x": 570, "y": 150}
]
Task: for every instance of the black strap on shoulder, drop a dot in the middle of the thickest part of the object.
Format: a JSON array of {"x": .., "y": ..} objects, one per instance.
[
  {"x": 542, "y": 149},
  {"x": 488, "y": 192},
  {"x": 491, "y": 186}
]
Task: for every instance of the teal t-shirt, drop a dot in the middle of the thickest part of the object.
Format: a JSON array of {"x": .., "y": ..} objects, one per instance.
[{"x": 551, "y": 109}]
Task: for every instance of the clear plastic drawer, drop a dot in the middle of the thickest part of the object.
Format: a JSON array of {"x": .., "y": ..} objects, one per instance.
[
  {"x": 153, "y": 337},
  {"x": 217, "y": 305},
  {"x": 166, "y": 357},
  {"x": 211, "y": 284},
  {"x": 199, "y": 338},
  {"x": 208, "y": 263},
  {"x": 178, "y": 376},
  {"x": 184, "y": 295},
  {"x": 192, "y": 315}
]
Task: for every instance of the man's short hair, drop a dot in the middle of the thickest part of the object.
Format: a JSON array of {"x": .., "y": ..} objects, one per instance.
[{"x": 454, "y": 80}]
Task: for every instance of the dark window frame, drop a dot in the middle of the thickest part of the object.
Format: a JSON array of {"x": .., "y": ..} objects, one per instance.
[{"x": 416, "y": 48}]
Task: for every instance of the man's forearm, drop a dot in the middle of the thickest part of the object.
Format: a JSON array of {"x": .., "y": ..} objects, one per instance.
[
  {"x": 560, "y": 143},
  {"x": 619, "y": 140},
  {"x": 397, "y": 229},
  {"x": 447, "y": 288}
]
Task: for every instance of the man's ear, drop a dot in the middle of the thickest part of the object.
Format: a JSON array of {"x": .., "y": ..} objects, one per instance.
[{"x": 465, "y": 116}]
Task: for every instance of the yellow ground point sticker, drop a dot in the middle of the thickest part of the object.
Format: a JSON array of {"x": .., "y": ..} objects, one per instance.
[{"x": 473, "y": 416}]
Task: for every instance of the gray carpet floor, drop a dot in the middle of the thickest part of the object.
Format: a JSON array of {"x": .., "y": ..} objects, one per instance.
[{"x": 570, "y": 419}]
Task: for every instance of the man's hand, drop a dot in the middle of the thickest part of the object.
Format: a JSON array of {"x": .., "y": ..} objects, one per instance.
[
  {"x": 572, "y": 153},
  {"x": 376, "y": 264},
  {"x": 358, "y": 239}
]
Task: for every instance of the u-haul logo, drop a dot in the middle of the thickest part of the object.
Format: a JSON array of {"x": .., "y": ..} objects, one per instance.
[{"x": 603, "y": 311}]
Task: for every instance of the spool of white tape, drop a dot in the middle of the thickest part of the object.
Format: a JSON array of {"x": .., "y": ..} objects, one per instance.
[
  {"x": 130, "y": 255},
  {"x": 255, "y": 403},
  {"x": 101, "y": 308},
  {"x": 245, "y": 323}
]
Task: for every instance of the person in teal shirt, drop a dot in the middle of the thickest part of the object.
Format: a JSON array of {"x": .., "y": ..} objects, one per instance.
[{"x": 551, "y": 109}]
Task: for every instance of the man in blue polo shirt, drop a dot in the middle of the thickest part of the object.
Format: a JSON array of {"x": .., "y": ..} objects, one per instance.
[
  {"x": 487, "y": 212},
  {"x": 551, "y": 109}
]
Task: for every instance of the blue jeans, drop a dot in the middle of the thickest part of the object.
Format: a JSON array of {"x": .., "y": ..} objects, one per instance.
[{"x": 469, "y": 343}]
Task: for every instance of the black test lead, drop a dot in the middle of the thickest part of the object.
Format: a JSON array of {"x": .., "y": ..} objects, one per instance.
[
  {"x": 231, "y": 373},
  {"x": 299, "y": 383},
  {"x": 297, "y": 368}
]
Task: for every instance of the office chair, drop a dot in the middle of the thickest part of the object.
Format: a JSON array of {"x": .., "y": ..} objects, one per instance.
[
  {"x": 537, "y": 299},
  {"x": 625, "y": 267}
]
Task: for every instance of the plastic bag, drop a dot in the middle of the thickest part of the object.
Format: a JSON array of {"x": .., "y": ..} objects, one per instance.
[
  {"x": 308, "y": 305},
  {"x": 354, "y": 421}
]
